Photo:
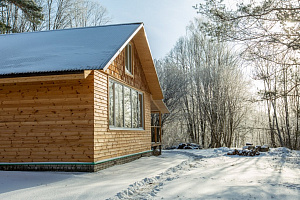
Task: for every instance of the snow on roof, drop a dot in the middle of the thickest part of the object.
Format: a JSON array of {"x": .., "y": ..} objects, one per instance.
[{"x": 62, "y": 50}]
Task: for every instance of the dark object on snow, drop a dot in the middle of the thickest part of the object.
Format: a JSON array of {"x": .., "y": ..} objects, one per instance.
[
  {"x": 195, "y": 146},
  {"x": 258, "y": 147},
  {"x": 170, "y": 148},
  {"x": 234, "y": 152},
  {"x": 249, "y": 147},
  {"x": 249, "y": 150},
  {"x": 264, "y": 148},
  {"x": 244, "y": 152},
  {"x": 189, "y": 146},
  {"x": 181, "y": 146}
]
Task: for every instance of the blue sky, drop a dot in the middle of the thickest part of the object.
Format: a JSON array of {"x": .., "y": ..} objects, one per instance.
[{"x": 165, "y": 20}]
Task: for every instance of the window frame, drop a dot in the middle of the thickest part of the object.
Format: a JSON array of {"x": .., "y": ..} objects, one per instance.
[
  {"x": 128, "y": 59},
  {"x": 141, "y": 121}
]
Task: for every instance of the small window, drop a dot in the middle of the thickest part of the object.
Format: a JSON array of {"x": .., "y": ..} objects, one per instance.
[
  {"x": 128, "y": 58},
  {"x": 125, "y": 107}
]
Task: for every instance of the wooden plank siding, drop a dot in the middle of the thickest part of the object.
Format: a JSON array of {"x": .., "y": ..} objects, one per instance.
[
  {"x": 115, "y": 143},
  {"x": 47, "y": 121},
  {"x": 67, "y": 120},
  {"x": 137, "y": 80}
]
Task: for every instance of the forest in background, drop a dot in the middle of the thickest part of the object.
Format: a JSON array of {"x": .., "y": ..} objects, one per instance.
[
  {"x": 209, "y": 88},
  {"x": 18, "y": 16}
]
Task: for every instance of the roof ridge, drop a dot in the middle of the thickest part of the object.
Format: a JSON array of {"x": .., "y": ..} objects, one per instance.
[{"x": 68, "y": 29}]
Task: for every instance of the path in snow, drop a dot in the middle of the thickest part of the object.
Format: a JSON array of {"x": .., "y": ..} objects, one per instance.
[
  {"x": 274, "y": 175},
  {"x": 177, "y": 174}
]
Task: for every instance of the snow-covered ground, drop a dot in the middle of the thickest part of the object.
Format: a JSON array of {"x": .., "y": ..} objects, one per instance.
[{"x": 177, "y": 174}]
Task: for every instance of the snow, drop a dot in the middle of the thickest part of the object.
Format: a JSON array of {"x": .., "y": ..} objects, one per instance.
[
  {"x": 62, "y": 50},
  {"x": 177, "y": 174}
]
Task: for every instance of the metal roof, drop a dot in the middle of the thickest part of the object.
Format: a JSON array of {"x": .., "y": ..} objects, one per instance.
[{"x": 75, "y": 49}]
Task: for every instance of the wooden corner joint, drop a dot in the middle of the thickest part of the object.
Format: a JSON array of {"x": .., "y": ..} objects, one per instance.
[{"x": 86, "y": 73}]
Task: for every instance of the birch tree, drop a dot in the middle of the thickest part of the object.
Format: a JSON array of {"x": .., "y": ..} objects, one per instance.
[
  {"x": 25, "y": 16},
  {"x": 268, "y": 31},
  {"x": 210, "y": 88},
  {"x": 61, "y": 14}
]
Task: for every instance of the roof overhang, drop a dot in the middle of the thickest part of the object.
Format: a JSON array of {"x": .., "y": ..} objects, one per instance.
[
  {"x": 159, "y": 106},
  {"x": 143, "y": 49}
]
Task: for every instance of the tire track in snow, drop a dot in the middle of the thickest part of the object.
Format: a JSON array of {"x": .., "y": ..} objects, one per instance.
[{"x": 149, "y": 187}]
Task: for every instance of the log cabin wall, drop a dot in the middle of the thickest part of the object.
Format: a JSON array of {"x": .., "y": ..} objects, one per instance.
[
  {"x": 48, "y": 121},
  {"x": 115, "y": 143}
]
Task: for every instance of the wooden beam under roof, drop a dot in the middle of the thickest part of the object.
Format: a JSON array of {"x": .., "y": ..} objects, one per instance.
[
  {"x": 84, "y": 74},
  {"x": 159, "y": 106}
]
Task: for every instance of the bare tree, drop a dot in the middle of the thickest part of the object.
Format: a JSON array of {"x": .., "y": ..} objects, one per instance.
[
  {"x": 268, "y": 31},
  {"x": 58, "y": 14},
  {"x": 14, "y": 13},
  {"x": 281, "y": 84},
  {"x": 211, "y": 104}
]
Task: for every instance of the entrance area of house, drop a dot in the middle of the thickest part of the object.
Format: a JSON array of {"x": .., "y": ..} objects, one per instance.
[
  {"x": 157, "y": 109},
  {"x": 156, "y": 137}
]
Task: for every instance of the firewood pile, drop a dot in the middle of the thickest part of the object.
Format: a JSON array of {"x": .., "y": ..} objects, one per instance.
[{"x": 249, "y": 150}]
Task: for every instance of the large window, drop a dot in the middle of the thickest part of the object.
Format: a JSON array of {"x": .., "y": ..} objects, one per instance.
[
  {"x": 128, "y": 58},
  {"x": 125, "y": 106}
]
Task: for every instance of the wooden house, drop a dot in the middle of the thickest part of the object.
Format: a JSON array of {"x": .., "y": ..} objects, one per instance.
[{"x": 77, "y": 99}]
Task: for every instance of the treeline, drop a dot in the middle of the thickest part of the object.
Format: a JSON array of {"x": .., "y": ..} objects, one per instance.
[
  {"x": 281, "y": 95},
  {"x": 36, "y": 15},
  {"x": 269, "y": 33},
  {"x": 204, "y": 89}
]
